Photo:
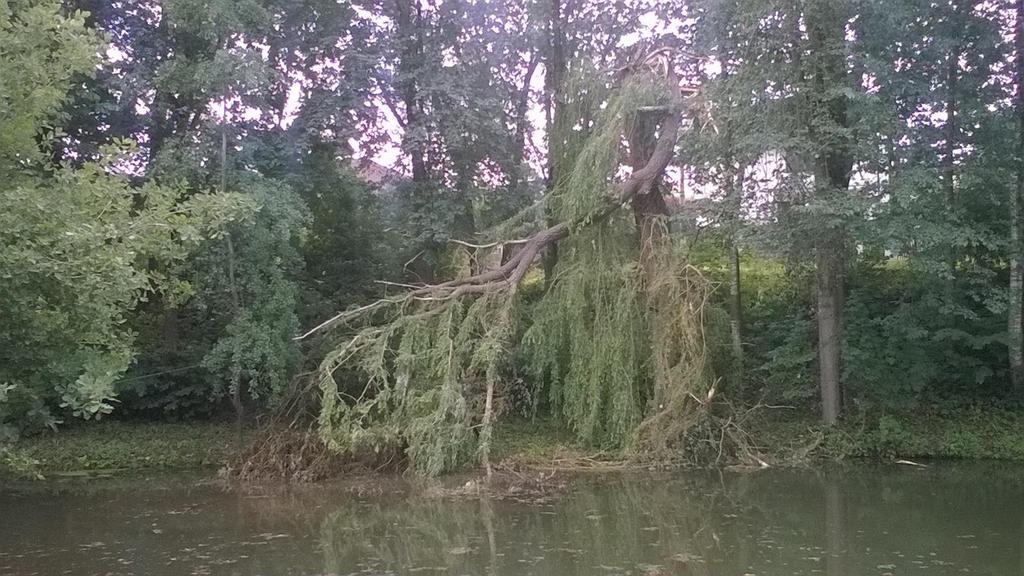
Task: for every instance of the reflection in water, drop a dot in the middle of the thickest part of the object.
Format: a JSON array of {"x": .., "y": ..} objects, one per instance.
[
  {"x": 834, "y": 529},
  {"x": 849, "y": 522}
]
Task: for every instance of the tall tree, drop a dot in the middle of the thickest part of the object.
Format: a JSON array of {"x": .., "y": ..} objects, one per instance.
[
  {"x": 555, "y": 70},
  {"x": 209, "y": 85},
  {"x": 828, "y": 127},
  {"x": 939, "y": 147},
  {"x": 1015, "y": 328},
  {"x": 721, "y": 155},
  {"x": 82, "y": 246},
  {"x": 780, "y": 99}
]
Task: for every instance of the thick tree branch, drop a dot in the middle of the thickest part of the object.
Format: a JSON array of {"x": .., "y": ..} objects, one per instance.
[{"x": 510, "y": 274}]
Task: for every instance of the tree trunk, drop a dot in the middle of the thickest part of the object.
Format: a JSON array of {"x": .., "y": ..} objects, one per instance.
[
  {"x": 236, "y": 391},
  {"x": 650, "y": 213},
  {"x": 487, "y": 428},
  {"x": 1015, "y": 333},
  {"x": 828, "y": 280},
  {"x": 735, "y": 182},
  {"x": 554, "y": 83},
  {"x": 735, "y": 316},
  {"x": 410, "y": 59},
  {"x": 950, "y": 129},
  {"x": 649, "y": 207},
  {"x": 521, "y": 121},
  {"x": 832, "y": 167}
]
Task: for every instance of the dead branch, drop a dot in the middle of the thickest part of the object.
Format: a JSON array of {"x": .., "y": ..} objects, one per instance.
[{"x": 489, "y": 244}]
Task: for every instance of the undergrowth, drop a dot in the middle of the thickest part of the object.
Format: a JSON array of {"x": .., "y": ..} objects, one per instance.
[
  {"x": 973, "y": 434},
  {"x": 532, "y": 441},
  {"x": 120, "y": 446}
]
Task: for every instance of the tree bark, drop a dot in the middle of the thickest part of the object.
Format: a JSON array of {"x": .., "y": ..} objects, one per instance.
[
  {"x": 734, "y": 178},
  {"x": 1015, "y": 332},
  {"x": 735, "y": 316},
  {"x": 236, "y": 389},
  {"x": 649, "y": 207},
  {"x": 522, "y": 125},
  {"x": 487, "y": 427},
  {"x": 950, "y": 130},
  {"x": 828, "y": 280},
  {"x": 650, "y": 214}
]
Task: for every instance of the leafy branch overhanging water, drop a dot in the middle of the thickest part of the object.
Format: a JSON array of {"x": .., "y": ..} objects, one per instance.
[{"x": 616, "y": 342}]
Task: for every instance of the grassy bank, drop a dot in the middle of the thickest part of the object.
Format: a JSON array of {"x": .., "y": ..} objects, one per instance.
[
  {"x": 121, "y": 447},
  {"x": 797, "y": 438},
  {"x": 531, "y": 442},
  {"x": 966, "y": 434},
  {"x": 109, "y": 447}
]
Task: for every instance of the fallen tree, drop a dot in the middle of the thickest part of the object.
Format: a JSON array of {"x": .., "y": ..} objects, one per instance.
[{"x": 617, "y": 341}]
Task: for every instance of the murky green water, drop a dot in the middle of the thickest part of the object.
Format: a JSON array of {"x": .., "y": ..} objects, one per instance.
[{"x": 945, "y": 520}]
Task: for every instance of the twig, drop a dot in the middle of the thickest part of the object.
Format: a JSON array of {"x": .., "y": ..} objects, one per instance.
[
  {"x": 489, "y": 245},
  {"x": 399, "y": 284}
]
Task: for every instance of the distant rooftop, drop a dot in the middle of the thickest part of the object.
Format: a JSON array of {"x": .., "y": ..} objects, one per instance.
[{"x": 374, "y": 173}]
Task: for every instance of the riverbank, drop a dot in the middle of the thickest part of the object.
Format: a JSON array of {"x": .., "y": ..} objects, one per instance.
[
  {"x": 966, "y": 434},
  {"x": 789, "y": 437},
  {"x": 783, "y": 437},
  {"x": 104, "y": 448}
]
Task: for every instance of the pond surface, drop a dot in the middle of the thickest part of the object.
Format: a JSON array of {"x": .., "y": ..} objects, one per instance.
[{"x": 852, "y": 521}]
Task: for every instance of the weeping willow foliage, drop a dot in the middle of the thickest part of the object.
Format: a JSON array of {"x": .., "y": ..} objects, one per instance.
[
  {"x": 617, "y": 348},
  {"x": 622, "y": 353},
  {"x": 588, "y": 339},
  {"x": 618, "y": 342},
  {"x": 418, "y": 365}
]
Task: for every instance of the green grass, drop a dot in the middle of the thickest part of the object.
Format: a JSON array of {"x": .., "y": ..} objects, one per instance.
[
  {"x": 973, "y": 433},
  {"x": 530, "y": 441},
  {"x": 121, "y": 447},
  {"x": 970, "y": 434}
]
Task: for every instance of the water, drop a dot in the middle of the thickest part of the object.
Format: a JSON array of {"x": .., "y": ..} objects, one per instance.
[{"x": 854, "y": 521}]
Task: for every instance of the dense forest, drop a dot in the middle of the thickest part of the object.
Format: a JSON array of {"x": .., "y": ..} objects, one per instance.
[{"x": 398, "y": 222}]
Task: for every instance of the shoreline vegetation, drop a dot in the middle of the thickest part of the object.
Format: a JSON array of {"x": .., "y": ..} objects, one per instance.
[
  {"x": 775, "y": 236},
  {"x": 125, "y": 449}
]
